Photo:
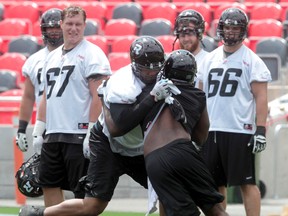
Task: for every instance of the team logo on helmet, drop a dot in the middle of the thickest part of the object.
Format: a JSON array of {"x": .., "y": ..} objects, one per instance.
[{"x": 27, "y": 177}]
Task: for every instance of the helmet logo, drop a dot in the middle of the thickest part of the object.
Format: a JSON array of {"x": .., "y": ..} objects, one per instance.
[
  {"x": 137, "y": 48},
  {"x": 28, "y": 187}
]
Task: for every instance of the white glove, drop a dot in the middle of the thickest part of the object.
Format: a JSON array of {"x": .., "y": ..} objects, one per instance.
[
  {"x": 86, "y": 148},
  {"x": 37, "y": 144},
  {"x": 169, "y": 100},
  {"x": 37, "y": 134},
  {"x": 164, "y": 88},
  {"x": 21, "y": 142},
  {"x": 258, "y": 140}
]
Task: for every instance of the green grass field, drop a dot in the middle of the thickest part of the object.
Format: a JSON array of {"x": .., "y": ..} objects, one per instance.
[{"x": 15, "y": 210}]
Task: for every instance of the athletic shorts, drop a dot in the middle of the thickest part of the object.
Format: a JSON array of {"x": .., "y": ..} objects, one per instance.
[
  {"x": 106, "y": 167},
  {"x": 229, "y": 159},
  {"x": 181, "y": 179},
  {"x": 62, "y": 165}
]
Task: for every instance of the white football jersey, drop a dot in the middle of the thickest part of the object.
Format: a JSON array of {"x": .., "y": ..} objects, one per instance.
[
  {"x": 199, "y": 59},
  {"x": 66, "y": 86},
  {"x": 123, "y": 87},
  {"x": 32, "y": 69},
  {"x": 227, "y": 84}
]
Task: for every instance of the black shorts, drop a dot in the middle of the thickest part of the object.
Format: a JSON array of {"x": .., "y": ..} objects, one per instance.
[
  {"x": 181, "y": 179},
  {"x": 230, "y": 160},
  {"x": 106, "y": 167},
  {"x": 62, "y": 165}
]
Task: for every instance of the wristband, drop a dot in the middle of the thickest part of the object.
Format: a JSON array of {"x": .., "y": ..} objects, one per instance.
[
  {"x": 39, "y": 128},
  {"x": 261, "y": 130},
  {"x": 22, "y": 126}
]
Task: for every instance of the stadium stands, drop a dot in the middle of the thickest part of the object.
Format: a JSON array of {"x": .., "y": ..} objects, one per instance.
[{"x": 109, "y": 20}]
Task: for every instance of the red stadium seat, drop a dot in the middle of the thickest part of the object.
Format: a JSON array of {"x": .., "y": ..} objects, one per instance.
[
  {"x": 266, "y": 28},
  {"x": 25, "y": 10},
  {"x": 36, "y": 30},
  {"x": 218, "y": 11},
  {"x": 14, "y": 27},
  {"x": 161, "y": 10},
  {"x": 118, "y": 60},
  {"x": 10, "y": 105},
  {"x": 120, "y": 27},
  {"x": 267, "y": 10},
  {"x": 55, "y": 4},
  {"x": 100, "y": 41},
  {"x": 203, "y": 8},
  {"x": 95, "y": 10},
  {"x": 122, "y": 44},
  {"x": 13, "y": 61},
  {"x": 167, "y": 42}
]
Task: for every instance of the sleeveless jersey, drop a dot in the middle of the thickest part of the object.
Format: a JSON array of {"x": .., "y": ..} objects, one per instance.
[
  {"x": 32, "y": 69},
  {"x": 66, "y": 86},
  {"x": 227, "y": 84}
]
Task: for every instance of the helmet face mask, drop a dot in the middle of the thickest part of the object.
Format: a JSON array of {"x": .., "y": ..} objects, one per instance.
[
  {"x": 232, "y": 26},
  {"x": 180, "y": 66},
  {"x": 50, "y": 27},
  {"x": 185, "y": 19},
  {"x": 147, "y": 57},
  {"x": 27, "y": 177}
]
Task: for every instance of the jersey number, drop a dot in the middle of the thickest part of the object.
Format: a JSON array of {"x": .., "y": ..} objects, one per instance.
[
  {"x": 56, "y": 72},
  {"x": 228, "y": 86},
  {"x": 39, "y": 81}
]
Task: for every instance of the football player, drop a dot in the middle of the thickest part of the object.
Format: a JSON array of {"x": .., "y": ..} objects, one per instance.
[
  {"x": 52, "y": 37},
  {"x": 235, "y": 81}
]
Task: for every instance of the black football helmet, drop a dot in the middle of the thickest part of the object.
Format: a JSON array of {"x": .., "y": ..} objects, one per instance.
[
  {"x": 180, "y": 67},
  {"x": 146, "y": 54},
  {"x": 232, "y": 17},
  {"x": 189, "y": 16},
  {"x": 27, "y": 177},
  {"x": 51, "y": 19}
]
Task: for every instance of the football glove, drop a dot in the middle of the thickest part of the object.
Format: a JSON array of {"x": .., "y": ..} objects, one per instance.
[
  {"x": 86, "y": 148},
  {"x": 163, "y": 89},
  {"x": 258, "y": 140},
  {"x": 21, "y": 139},
  {"x": 37, "y": 134}
]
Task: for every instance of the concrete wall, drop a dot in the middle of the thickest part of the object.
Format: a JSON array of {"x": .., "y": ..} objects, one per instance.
[{"x": 126, "y": 188}]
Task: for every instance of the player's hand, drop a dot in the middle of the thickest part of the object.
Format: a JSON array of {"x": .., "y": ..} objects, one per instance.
[
  {"x": 163, "y": 89},
  {"x": 86, "y": 148},
  {"x": 258, "y": 140},
  {"x": 37, "y": 144},
  {"x": 21, "y": 141},
  {"x": 37, "y": 134}
]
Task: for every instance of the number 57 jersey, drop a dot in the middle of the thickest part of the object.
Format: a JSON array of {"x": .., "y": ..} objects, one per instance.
[
  {"x": 66, "y": 86},
  {"x": 227, "y": 84}
]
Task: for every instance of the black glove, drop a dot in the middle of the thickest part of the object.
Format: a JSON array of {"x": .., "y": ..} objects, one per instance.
[{"x": 258, "y": 140}]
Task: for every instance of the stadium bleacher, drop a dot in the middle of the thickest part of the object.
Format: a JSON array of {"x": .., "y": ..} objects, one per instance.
[{"x": 108, "y": 22}]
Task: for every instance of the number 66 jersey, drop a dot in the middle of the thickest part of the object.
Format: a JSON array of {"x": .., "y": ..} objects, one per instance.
[
  {"x": 226, "y": 82},
  {"x": 66, "y": 86}
]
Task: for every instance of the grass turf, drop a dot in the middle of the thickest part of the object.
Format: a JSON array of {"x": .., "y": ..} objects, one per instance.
[{"x": 15, "y": 210}]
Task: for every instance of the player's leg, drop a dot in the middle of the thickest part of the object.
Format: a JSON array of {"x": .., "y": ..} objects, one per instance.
[
  {"x": 72, "y": 207},
  {"x": 51, "y": 173},
  {"x": 251, "y": 199},
  {"x": 52, "y": 196}
]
